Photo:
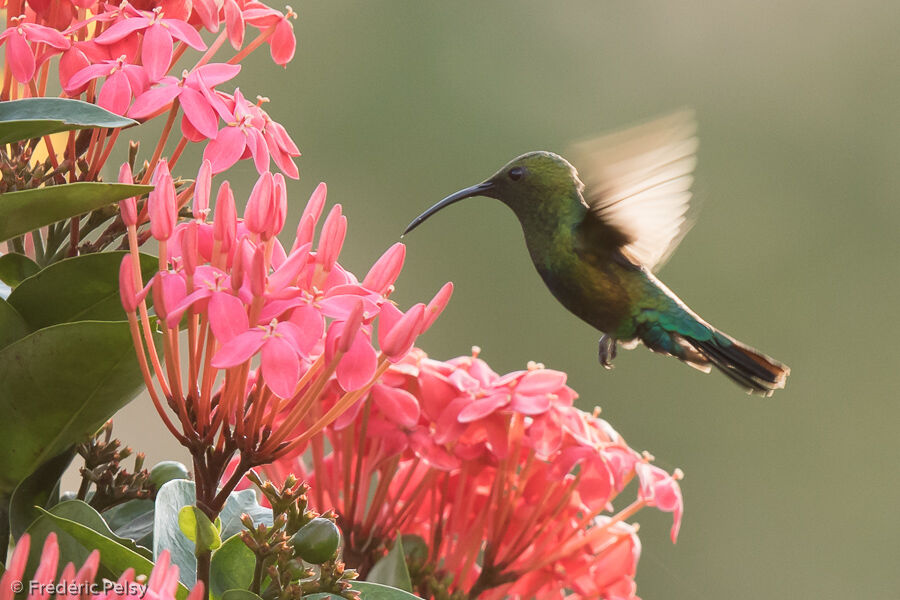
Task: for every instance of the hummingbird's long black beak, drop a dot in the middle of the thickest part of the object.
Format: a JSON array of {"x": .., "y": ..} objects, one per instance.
[{"x": 475, "y": 190}]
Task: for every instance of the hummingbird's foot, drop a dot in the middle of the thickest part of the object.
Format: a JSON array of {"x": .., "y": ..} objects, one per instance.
[{"x": 607, "y": 351}]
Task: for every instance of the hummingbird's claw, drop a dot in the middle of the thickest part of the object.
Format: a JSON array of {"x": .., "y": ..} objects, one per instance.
[{"x": 606, "y": 351}]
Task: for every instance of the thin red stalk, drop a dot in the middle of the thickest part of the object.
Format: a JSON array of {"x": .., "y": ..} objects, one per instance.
[
  {"x": 99, "y": 162},
  {"x": 256, "y": 43},
  {"x": 164, "y": 136},
  {"x": 343, "y": 404}
]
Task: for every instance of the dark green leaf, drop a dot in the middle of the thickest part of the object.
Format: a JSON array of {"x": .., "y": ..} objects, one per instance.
[
  {"x": 376, "y": 591},
  {"x": 36, "y": 490},
  {"x": 391, "y": 570},
  {"x": 232, "y": 567},
  {"x": 12, "y": 325},
  {"x": 26, "y": 210},
  {"x": 57, "y": 386},
  {"x": 36, "y": 117},
  {"x": 240, "y": 595},
  {"x": 71, "y": 548},
  {"x": 132, "y": 520},
  {"x": 114, "y": 556},
  {"x": 16, "y": 267},
  {"x": 82, "y": 288}
]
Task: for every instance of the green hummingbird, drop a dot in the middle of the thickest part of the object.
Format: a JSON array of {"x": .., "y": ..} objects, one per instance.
[{"x": 598, "y": 243}]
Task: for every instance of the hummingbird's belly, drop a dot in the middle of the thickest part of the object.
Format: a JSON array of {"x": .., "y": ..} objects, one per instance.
[{"x": 598, "y": 295}]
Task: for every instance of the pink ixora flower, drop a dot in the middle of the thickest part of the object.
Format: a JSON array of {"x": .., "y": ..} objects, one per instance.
[
  {"x": 510, "y": 487},
  {"x": 124, "y": 81},
  {"x": 19, "y": 53},
  {"x": 249, "y": 132},
  {"x": 280, "y": 342},
  {"x": 193, "y": 92},
  {"x": 159, "y": 34}
]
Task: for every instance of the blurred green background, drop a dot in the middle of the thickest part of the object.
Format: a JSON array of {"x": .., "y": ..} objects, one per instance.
[{"x": 397, "y": 104}]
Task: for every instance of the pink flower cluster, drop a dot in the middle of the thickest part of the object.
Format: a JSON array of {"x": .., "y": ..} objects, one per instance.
[
  {"x": 72, "y": 584},
  {"x": 511, "y": 486},
  {"x": 119, "y": 57},
  {"x": 268, "y": 328}
]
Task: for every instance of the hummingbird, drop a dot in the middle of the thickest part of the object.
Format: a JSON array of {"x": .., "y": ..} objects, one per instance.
[{"x": 598, "y": 237}]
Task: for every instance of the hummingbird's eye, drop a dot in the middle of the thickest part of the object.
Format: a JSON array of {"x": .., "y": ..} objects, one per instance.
[{"x": 516, "y": 173}]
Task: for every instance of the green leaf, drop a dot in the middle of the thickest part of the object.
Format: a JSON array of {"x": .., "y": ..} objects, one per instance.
[
  {"x": 26, "y": 210},
  {"x": 16, "y": 267},
  {"x": 58, "y": 385},
  {"x": 12, "y": 325},
  {"x": 82, "y": 288},
  {"x": 36, "y": 490},
  {"x": 36, "y": 117},
  {"x": 170, "y": 499},
  {"x": 197, "y": 527},
  {"x": 391, "y": 570},
  {"x": 114, "y": 556},
  {"x": 240, "y": 595},
  {"x": 132, "y": 520},
  {"x": 167, "y": 535},
  {"x": 71, "y": 549},
  {"x": 231, "y": 567},
  {"x": 239, "y": 503},
  {"x": 377, "y": 591}
]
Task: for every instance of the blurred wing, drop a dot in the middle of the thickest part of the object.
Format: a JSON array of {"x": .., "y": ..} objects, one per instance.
[{"x": 638, "y": 181}]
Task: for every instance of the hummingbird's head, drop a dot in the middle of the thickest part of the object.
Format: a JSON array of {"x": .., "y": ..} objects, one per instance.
[{"x": 524, "y": 184}]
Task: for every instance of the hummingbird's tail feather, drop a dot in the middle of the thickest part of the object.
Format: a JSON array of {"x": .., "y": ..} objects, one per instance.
[{"x": 749, "y": 368}]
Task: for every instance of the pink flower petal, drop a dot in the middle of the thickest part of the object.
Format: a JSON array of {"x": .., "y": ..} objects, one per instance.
[
  {"x": 357, "y": 366},
  {"x": 20, "y": 58},
  {"x": 225, "y": 149},
  {"x": 283, "y": 43},
  {"x": 396, "y": 405},
  {"x": 212, "y": 74},
  {"x": 157, "y": 51},
  {"x": 530, "y": 405},
  {"x": 185, "y": 33},
  {"x": 280, "y": 366},
  {"x": 483, "y": 407},
  {"x": 115, "y": 95},
  {"x": 239, "y": 349},
  {"x": 198, "y": 111},
  {"x": 122, "y": 29},
  {"x": 227, "y": 316},
  {"x": 541, "y": 381},
  {"x": 154, "y": 99},
  {"x": 312, "y": 325}
]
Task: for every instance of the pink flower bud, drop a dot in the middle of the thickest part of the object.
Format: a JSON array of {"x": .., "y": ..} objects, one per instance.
[
  {"x": 260, "y": 207},
  {"x": 242, "y": 258},
  {"x": 316, "y": 204},
  {"x": 128, "y": 206},
  {"x": 169, "y": 290},
  {"x": 225, "y": 222},
  {"x": 201, "y": 191},
  {"x": 437, "y": 305},
  {"x": 396, "y": 342},
  {"x": 333, "y": 233},
  {"x": 131, "y": 298},
  {"x": 305, "y": 232},
  {"x": 279, "y": 206},
  {"x": 258, "y": 273},
  {"x": 190, "y": 254},
  {"x": 351, "y": 327},
  {"x": 161, "y": 204},
  {"x": 386, "y": 269}
]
